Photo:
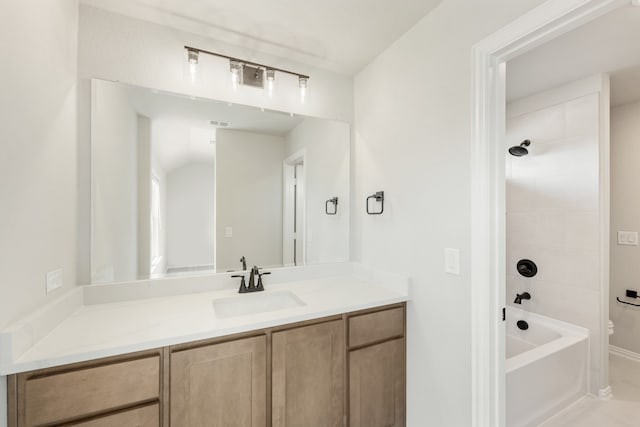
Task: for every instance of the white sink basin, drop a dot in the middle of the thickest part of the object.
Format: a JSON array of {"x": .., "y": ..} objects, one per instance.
[{"x": 253, "y": 303}]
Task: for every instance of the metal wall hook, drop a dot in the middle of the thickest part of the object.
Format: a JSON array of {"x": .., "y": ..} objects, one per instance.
[
  {"x": 628, "y": 303},
  {"x": 379, "y": 197},
  {"x": 334, "y": 201}
]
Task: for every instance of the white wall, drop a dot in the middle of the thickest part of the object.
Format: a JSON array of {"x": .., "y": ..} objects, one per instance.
[
  {"x": 326, "y": 145},
  {"x": 248, "y": 199},
  {"x": 114, "y": 184},
  {"x": 553, "y": 202},
  {"x": 412, "y": 127},
  {"x": 190, "y": 209},
  {"x": 116, "y": 47},
  {"x": 38, "y": 162},
  {"x": 625, "y": 216}
]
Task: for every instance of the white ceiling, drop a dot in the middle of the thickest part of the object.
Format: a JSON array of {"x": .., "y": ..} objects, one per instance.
[
  {"x": 610, "y": 44},
  {"x": 181, "y": 126},
  {"x": 338, "y": 35}
]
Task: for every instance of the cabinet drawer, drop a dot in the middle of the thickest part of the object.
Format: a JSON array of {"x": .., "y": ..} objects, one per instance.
[
  {"x": 90, "y": 391},
  {"x": 146, "y": 416},
  {"x": 373, "y": 327}
]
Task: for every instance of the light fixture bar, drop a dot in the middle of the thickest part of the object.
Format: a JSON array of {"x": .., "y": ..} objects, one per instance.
[{"x": 255, "y": 64}]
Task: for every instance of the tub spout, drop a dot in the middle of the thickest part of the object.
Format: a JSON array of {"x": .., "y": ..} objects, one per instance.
[{"x": 520, "y": 297}]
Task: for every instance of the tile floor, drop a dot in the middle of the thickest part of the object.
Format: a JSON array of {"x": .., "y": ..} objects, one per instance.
[{"x": 621, "y": 411}]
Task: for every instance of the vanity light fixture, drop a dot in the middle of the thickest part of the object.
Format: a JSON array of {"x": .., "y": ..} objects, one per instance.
[{"x": 249, "y": 73}]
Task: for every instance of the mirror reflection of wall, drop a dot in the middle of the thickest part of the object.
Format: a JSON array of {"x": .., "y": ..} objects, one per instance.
[
  {"x": 249, "y": 204},
  {"x": 183, "y": 186},
  {"x": 153, "y": 188}
]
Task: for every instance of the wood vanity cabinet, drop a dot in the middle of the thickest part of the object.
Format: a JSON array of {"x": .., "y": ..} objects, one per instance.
[{"x": 345, "y": 370}]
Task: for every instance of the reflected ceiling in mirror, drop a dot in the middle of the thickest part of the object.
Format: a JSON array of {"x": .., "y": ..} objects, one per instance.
[{"x": 184, "y": 186}]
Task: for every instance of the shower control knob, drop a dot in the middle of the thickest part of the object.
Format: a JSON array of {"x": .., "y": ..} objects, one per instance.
[
  {"x": 527, "y": 268},
  {"x": 523, "y": 325}
]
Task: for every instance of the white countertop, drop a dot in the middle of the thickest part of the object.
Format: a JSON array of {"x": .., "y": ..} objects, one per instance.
[{"x": 92, "y": 331}]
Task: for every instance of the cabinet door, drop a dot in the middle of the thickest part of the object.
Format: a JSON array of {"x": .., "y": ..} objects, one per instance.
[
  {"x": 220, "y": 385},
  {"x": 308, "y": 376},
  {"x": 377, "y": 385}
]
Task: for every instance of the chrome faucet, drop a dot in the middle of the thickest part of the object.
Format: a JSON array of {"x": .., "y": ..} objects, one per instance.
[{"x": 520, "y": 297}]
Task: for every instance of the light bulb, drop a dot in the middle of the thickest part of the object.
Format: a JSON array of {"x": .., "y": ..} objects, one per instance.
[
  {"x": 303, "y": 83},
  {"x": 271, "y": 81}
]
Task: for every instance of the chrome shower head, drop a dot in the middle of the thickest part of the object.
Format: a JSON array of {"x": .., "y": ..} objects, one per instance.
[{"x": 520, "y": 150}]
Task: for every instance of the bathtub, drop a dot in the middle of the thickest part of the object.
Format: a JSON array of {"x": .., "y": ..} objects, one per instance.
[{"x": 546, "y": 367}]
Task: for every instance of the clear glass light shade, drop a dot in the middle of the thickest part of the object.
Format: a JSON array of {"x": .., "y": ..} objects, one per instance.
[
  {"x": 192, "y": 56},
  {"x": 235, "y": 68},
  {"x": 270, "y": 81},
  {"x": 303, "y": 84},
  {"x": 191, "y": 66}
]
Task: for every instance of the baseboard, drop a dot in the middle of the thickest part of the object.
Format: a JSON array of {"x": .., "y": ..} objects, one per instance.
[
  {"x": 623, "y": 352},
  {"x": 568, "y": 408}
]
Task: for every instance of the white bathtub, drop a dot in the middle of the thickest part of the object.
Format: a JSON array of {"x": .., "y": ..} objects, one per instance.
[{"x": 546, "y": 367}]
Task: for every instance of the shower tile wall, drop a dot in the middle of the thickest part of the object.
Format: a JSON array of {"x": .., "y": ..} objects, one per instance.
[{"x": 552, "y": 203}]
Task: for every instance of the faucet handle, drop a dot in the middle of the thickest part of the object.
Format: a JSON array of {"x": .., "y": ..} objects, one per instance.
[
  {"x": 260, "y": 286},
  {"x": 243, "y": 284}
]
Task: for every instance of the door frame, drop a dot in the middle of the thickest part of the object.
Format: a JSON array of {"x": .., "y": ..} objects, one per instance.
[
  {"x": 288, "y": 165},
  {"x": 543, "y": 23}
]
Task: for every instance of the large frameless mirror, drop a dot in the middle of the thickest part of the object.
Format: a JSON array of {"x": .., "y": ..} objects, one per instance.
[{"x": 184, "y": 186}]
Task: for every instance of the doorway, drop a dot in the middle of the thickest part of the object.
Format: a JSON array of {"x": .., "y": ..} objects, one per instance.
[{"x": 488, "y": 267}]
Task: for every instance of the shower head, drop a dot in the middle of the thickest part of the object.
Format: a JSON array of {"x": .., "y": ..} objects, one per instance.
[{"x": 520, "y": 150}]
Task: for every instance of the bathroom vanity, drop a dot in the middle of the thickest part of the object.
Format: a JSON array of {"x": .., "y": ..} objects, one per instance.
[
  {"x": 185, "y": 190},
  {"x": 337, "y": 358}
]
